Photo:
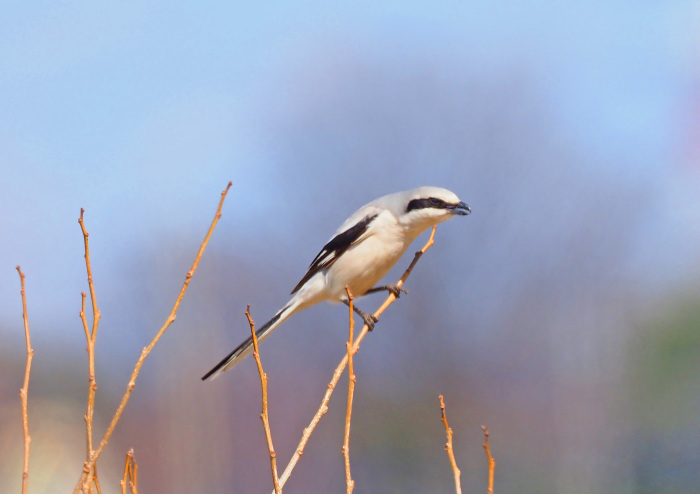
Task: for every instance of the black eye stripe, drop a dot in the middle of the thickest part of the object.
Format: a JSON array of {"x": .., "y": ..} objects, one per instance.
[{"x": 430, "y": 202}]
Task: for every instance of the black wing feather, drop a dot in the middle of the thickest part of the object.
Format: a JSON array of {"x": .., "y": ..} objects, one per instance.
[{"x": 335, "y": 248}]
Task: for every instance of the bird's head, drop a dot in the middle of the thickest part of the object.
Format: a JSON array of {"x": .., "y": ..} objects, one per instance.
[{"x": 428, "y": 206}]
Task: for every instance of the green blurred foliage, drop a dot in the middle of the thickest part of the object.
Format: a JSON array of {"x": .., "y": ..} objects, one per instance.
[
  {"x": 665, "y": 402},
  {"x": 666, "y": 369}
]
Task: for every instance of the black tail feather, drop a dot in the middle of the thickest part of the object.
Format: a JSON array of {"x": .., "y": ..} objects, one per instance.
[{"x": 243, "y": 347}]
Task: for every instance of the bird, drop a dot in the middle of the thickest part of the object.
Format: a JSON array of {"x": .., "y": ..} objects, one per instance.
[{"x": 363, "y": 249}]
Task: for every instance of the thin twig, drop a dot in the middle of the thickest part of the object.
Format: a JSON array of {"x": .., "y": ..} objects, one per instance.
[
  {"x": 448, "y": 448},
  {"x": 125, "y": 477},
  {"x": 130, "y": 471},
  {"x": 91, "y": 336},
  {"x": 491, "y": 460},
  {"x": 83, "y": 318},
  {"x": 87, "y": 468},
  {"x": 263, "y": 414},
  {"x": 24, "y": 392},
  {"x": 96, "y": 480},
  {"x": 133, "y": 483},
  {"x": 350, "y": 484},
  {"x": 323, "y": 408}
]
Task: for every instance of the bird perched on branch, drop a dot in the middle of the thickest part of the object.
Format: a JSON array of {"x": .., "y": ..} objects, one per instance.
[{"x": 362, "y": 251}]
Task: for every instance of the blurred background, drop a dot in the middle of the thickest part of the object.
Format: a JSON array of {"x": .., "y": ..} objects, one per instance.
[{"x": 564, "y": 313}]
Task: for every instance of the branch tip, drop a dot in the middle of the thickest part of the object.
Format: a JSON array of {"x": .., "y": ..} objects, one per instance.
[
  {"x": 264, "y": 414},
  {"x": 347, "y": 290},
  {"x": 24, "y": 391},
  {"x": 448, "y": 447},
  {"x": 489, "y": 458}
]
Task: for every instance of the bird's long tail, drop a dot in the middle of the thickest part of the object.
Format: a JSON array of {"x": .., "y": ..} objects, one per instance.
[{"x": 245, "y": 348}]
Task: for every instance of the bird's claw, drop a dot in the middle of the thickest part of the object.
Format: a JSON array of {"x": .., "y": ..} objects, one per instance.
[
  {"x": 396, "y": 290},
  {"x": 369, "y": 320}
]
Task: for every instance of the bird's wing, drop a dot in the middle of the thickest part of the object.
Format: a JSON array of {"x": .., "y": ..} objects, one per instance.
[{"x": 341, "y": 242}]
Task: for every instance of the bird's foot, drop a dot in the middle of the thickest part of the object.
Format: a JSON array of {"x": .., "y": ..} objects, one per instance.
[
  {"x": 394, "y": 288},
  {"x": 369, "y": 319}
]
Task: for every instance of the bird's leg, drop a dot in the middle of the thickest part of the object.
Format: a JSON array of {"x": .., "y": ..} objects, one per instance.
[
  {"x": 395, "y": 289},
  {"x": 369, "y": 319}
]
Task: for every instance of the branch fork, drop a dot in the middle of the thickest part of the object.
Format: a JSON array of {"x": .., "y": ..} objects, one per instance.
[{"x": 88, "y": 478}]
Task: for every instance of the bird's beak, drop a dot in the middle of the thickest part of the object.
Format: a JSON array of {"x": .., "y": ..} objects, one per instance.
[{"x": 461, "y": 209}]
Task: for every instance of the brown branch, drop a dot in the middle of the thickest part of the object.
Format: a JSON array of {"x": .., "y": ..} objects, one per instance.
[
  {"x": 130, "y": 471},
  {"x": 93, "y": 299},
  {"x": 24, "y": 391},
  {"x": 350, "y": 484},
  {"x": 448, "y": 448},
  {"x": 82, "y": 317},
  {"x": 323, "y": 408},
  {"x": 96, "y": 481},
  {"x": 123, "y": 481},
  {"x": 263, "y": 414},
  {"x": 91, "y": 336},
  {"x": 491, "y": 460},
  {"x": 89, "y": 465}
]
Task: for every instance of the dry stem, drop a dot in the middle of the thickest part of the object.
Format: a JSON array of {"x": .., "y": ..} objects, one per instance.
[
  {"x": 323, "y": 408},
  {"x": 90, "y": 463},
  {"x": 264, "y": 415},
  {"x": 491, "y": 460},
  {"x": 130, "y": 472},
  {"x": 350, "y": 484},
  {"x": 23, "y": 393},
  {"x": 96, "y": 481},
  {"x": 448, "y": 448},
  {"x": 91, "y": 336}
]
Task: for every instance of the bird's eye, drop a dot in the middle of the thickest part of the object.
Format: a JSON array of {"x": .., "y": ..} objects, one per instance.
[{"x": 434, "y": 200}]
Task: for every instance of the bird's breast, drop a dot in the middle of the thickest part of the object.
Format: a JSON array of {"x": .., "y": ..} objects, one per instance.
[{"x": 364, "y": 264}]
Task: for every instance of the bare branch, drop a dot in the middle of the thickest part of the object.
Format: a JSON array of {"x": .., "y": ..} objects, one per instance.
[
  {"x": 263, "y": 414},
  {"x": 83, "y": 319},
  {"x": 491, "y": 460},
  {"x": 130, "y": 471},
  {"x": 24, "y": 392},
  {"x": 448, "y": 448},
  {"x": 96, "y": 481},
  {"x": 91, "y": 337},
  {"x": 350, "y": 484},
  {"x": 95, "y": 312},
  {"x": 323, "y": 408},
  {"x": 89, "y": 465}
]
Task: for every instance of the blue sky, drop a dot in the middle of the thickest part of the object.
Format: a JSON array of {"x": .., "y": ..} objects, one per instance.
[
  {"x": 128, "y": 108},
  {"x": 121, "y": 107}
]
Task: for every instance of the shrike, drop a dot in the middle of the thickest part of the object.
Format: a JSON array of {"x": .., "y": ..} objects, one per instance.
[{"x": 360, "y": 253}]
